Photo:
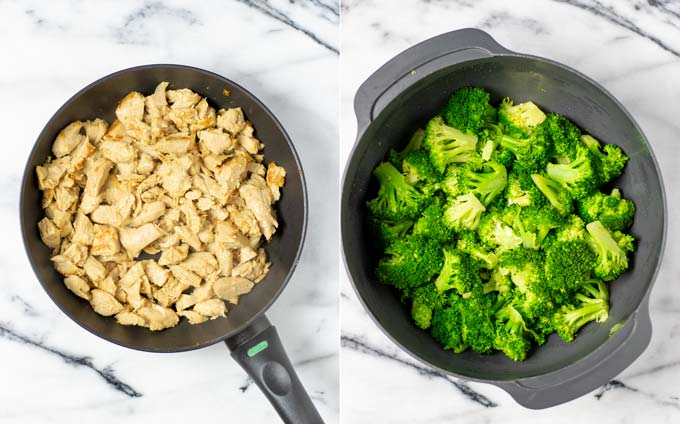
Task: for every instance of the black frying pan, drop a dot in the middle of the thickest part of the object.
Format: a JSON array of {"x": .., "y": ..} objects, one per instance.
[
  {"x": 412, "y": 87},
  {"x": 252, "y": 340}
]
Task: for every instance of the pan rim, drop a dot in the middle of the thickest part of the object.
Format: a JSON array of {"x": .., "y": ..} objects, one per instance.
[
  {"x": 27, "y": 172},
  {"x": 590, "y": 356}
]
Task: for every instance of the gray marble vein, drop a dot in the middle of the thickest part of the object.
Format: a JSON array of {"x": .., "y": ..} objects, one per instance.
[{"x": 106, "y": 373}]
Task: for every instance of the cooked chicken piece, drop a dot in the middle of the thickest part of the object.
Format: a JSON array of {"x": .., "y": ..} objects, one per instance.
[
  {"x": 246, "y": 139},
  {"x": 173, "y": 255},
  {"x": 106, "y": 215},
  {"x": 50, "y": 174},
  {"x": 225, "y": 258},
  {"x": 276, "y": 178},
  {"x": 76, "y": 253},
  {"x": 188, "y": 237},
  {"x": 200, "y": 263},
  {"x": 145, "y": 287},
  {"x": 170, "y": 292},
  {"x": 182, "y": 98},
  {"x": 94, "y": 270},
  {"x": 78, "y": 286},
  {"x": 79, "y": 154},
  {"x": 193, "y": 317},
  {"x": 259, "y": 202},
  {"x": 68, "y": 139},
  {"x": 58, "y": 217},
  {"x": 245, "y": 221},
  {"x": 205, "y": 116},
  {"x": 174, "y": 176},
  {"x": 205, "y": 204},
  {"x": 130, "y": 110},
  {"x": 206, "y": 235},
  {"x": 105, "y": 241},
  {"x": 136, "y": 239},
  {"x": 130, "y": 318},
  {"x": 64, "y": 266},
  {"x": 117, "y": 151},
  {"x": 157, "y": 274},
  {"x": 65, "y": 197},
  {"x": 158, "y": 317},
  {"x": 216, "y": 141},
  {"x": 204, "y": 291},
  {"x": 231, "y": 120},
  {"x": 49, "y": 233},
  {"x": 146, "y": 164},
  {"x": 256, "y": 168},
  {"x": 211, "y": 188},
  {"x": 157, "y": 104},
  {"x": 104, "y": 304},
  {"x": 254, "y": 270},
  {"x": 108, "y": 285},
  {"x": 212, "y": 163},
  {"x": 230, "y": 175},
  {"x": 97, "y": 174},
  {"x": 116, "y": 131},
  {"x": 229, "y": 288},
  {"x": 185, "y": 301},
  {"x": 95, "y": 130},
  {"x": 211, "y": 308},
  {"x": 246, "y": 254},
  {"x": 230, "y": 236},
  {"x": 131, "y": 284},
  {"x": 217, "y": 213},
  {"x": 175, "y": 144},
  {"x": 185, "y": 276},
  {"x": 149, "y": 213}
]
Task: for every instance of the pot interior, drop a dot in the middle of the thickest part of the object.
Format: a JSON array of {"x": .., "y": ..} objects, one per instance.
[{"x": 554, "y": 88}]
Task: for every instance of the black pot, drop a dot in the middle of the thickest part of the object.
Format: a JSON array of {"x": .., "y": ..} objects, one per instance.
[
  {"x": 400, "y": 97},
  {"x": 253, "y": 341}
]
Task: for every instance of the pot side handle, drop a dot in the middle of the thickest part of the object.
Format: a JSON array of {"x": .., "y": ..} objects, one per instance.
[
  {"x": 542, "y": 392},
  {"x": 417, "y": 62},
  {"x": 259, "y": 351}
]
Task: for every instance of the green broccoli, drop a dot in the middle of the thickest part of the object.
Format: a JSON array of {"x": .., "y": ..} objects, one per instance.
[
  {"x": 578, "y": 176},
  {"x": 519, "y": 120},
  {"x": 410, "y": 262},
  {"x": 495, "y": 233},
  {"x": 573, "y": 228},
  {"x": 448, "y": 145},
  {"x": 458, "y": 273},
  {"x": 424, "y": 303},
  {"x": 562, "y": 134},
  {"x": 448, "y": 327},
  {"x": 396, "y": 198},
  {"x": 540, "y": 221},
  {"x": 610, "y": 159},
  {"x": 613, "y": 211},
  {"x": 591, "y": 304},
  {"x": 612, "y": 259},
  {"x": 468, "y": 242},
  {"x": 430, "y": 224},
  {"x": 464, "y": 212},
  {"x": 568, "y": 265},
  {"x": 487, "y": 184},
  {"x": 556, "y": 195},
  {"x": 469, "y": 110},
  {"x": 419, "y": 170},
  {"x": 512, "y": 337},
  {"x": 415, "y": 142},
  {"x": 385, "y": 232},
  {"x": 498, "y": 281}
]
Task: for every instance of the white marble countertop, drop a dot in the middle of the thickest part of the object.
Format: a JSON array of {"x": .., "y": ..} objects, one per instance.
[
  {"x": 632, "y": 47},
  {"x": 54, "y": 371}
]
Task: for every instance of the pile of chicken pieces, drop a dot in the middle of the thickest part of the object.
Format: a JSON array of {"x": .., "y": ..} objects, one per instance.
[{"x": 172, "y": 176}]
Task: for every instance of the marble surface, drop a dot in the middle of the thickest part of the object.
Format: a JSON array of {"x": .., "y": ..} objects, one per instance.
[
  {"x": 54, "y": 371},
  {"x": 633, "y": 48}
]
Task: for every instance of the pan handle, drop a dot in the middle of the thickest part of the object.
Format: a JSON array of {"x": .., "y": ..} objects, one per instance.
[
  {"x": 589, "y": 374},
  {"x": 417, "y": 62},
  {"x": 258, "y": 350}
]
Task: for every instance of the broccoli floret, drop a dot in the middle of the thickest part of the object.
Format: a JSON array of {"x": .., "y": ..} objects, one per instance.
[
  {"x": 556, "y": 195},
  {"x": 419, "y": 170},
  {"x": 396, "y": 198},
  {"x": 424, "y": 302},
  {"x": 498, "y": 281},
  {"x": 385, "y": 232},
  {"x": 447, "y": 329},
  {"x": 410, "y": 262},
  {"x": 613, "y": 211},
  {"x": 451, "y": 184},
  {"x": 519, "y": 120},
  {"x": 540, "y": 221},
  {"x": 512, "y": 337},
  {"x": 568, "y": 265},
  {"x": 486, "y": 184},
  {"x": 612, "y": 259},
  {"x": 532, "y": 154},
  {"x": 573, "y": 228},
  {"x": 495, "y": 233},
  {"x": 416, "y": 141},
  {"x": 562, "y": 134},
  {"x": 478, "y": 317},
  {"x": 591, "y": 304},
  {"x": 578, "y": 176},
  {"x": 525, "y": 267},
  {"x": 464, "y": 212},
  {"x": 469, "y": 110},
  {"x": 610, "y": 159},
  {"x": 448, "y": 145},
  {"x": 468, "y": 242},
  {"x": 430, "y": 224},
  {"x": 458, "y": 273}
]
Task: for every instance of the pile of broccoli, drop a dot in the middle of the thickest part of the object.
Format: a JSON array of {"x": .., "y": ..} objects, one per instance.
[{"x": 494, "y": 226}]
